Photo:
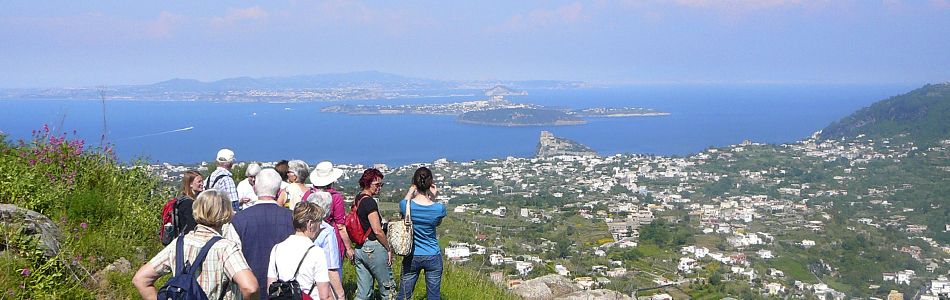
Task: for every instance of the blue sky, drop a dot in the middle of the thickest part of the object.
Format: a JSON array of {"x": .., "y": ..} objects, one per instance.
[{"x": 88, "y": 43}]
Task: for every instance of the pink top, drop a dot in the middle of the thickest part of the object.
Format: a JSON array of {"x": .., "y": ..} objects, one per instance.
[{"x": 337, "y": 213}]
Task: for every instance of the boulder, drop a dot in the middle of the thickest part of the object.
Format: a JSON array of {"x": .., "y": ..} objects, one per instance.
[
  {"x": 122, "y": 266},
  {"x": 545, "y": 288},
  {"x": 595, "y": 295},
  {"x": 34, "y": 225}
]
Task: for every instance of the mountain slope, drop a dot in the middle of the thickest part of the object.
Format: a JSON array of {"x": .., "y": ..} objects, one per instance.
[{"x": 922, "y": 113}]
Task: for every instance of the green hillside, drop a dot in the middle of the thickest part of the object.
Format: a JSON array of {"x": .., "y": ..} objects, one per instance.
[
  {"x": 518, "y": 117},
  {"x": 108, "y": 211},
  {"x": 921, "y": 113}
]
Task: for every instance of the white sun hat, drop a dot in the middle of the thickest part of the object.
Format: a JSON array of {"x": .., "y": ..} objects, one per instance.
[{"x": 324, "y": 174}]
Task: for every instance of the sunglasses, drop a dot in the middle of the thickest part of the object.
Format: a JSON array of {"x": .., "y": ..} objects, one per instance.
[{"x": 379, "y": 184}]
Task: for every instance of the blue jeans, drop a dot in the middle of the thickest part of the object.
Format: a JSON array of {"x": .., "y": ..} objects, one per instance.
[
  {"x": 411, "y": 266},
  {"x": 371, "y": 264}
]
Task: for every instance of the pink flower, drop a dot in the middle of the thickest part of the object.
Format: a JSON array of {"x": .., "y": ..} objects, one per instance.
[
  {"x": 92, "y": 258},
  {"x": 62, "y": 220},
  {"x": 83, "y": 225},
  {"x": 25, "y": 272}
]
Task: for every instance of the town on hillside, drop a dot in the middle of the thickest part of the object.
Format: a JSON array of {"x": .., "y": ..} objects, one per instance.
[{"x": 813, "y": 219}]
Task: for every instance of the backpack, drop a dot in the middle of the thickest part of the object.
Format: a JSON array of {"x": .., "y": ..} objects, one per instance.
[
  {"x": 170, "y": 223},
  {"x": 184, "y": 285},
  {"x": 210, "y": 184},
  {"x": 352, "y": 223},
  {"x": 290, "y": 289}
]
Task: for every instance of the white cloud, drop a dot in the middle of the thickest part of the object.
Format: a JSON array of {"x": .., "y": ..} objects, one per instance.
[
  {"x": 235, "y": 15},
  {"x": 567, "y": 15}
]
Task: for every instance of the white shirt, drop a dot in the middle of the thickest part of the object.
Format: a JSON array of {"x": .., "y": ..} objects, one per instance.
[
  {"x": 244, "y": 189},
  {"x": 286, "y": 255}
]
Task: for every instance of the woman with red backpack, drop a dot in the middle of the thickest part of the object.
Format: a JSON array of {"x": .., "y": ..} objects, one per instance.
[{"x": 373, "y": 256}]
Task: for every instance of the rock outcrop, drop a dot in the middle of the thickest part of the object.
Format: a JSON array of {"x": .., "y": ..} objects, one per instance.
[
  {"x": 34, "y": 226},
  {"x": 545, "y": 288}
]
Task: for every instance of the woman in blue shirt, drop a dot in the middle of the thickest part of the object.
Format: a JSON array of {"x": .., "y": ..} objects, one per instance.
[{"x": 426, "y": 254}]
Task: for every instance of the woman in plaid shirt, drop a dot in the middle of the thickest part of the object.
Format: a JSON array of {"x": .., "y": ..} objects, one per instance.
[{"x": 224, "y": 263}]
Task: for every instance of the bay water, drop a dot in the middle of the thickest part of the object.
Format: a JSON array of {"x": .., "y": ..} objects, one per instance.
[{"x": 702, "y": 115}]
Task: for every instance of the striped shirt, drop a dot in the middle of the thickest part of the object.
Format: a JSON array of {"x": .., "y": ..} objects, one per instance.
[
  {"x": 226, "y": 185},
  {"x": 223, "y": 261}
]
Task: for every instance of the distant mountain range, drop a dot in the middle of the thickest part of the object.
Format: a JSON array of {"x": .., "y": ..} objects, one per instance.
[
  {"x": 321, "y": 87},
  {"x": 922, "y": 115}
]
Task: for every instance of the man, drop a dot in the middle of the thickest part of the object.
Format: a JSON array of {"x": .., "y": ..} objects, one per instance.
[
  {"x": 221, "y": 179},
  {"x": 263, "y": 225},
  {"x": 245, "y": 188}
]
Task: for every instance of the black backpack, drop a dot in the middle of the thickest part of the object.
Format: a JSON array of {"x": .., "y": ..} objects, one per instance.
[
  {"x": 290, "y": 289},
  {"x": 184, "y": 285},
  {"x": 210, "y": 184}
]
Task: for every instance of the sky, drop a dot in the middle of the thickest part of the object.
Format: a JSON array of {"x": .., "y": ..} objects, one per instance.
[{"x": 92, "y": 42}]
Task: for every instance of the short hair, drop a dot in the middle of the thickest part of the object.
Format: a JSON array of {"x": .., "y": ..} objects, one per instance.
[
  {"x": 306, "y": 211},
  {"x": 369, "y": 176},
  {"x": 267, "y": 183},
  {"x": 252, "y": 170},
  {"x": 186, "y": 180},
  {"x": 282, "y": 169},
  {"x": 212, "y": 208},
  {"x": 300, "y": 168},
  {"x": 422, "y": 179},
  {"x": 323, "y": 200}
]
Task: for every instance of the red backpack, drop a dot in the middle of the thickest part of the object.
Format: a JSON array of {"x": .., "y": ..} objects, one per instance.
[
  {"x": 352, "y": 223},
  {"x": 170, "y": 224}
]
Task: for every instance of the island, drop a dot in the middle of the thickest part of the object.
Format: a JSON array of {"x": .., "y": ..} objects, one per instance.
[
  {"x": 518, "y": 117},
  {"x": 498, "y": 112}
]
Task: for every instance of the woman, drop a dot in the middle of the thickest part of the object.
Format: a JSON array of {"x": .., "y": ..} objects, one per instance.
[
  {"x": 191, "y": 185},
  {"x": 283, "y": 168},
  {"x": 298, "y": 171},
  {"x": 245, "y": 188},
  {"x": 298, "y": 258},
  {"x": 426, "y": 254},
  {"x": 327, "y": 239},
  {"x": 224, "y": 262},
  {"x": 322, "y": 178},
  {"x": 373, "y": 257}
]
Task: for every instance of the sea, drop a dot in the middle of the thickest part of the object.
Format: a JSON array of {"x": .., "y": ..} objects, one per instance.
[{"x": 701, "y": 116}]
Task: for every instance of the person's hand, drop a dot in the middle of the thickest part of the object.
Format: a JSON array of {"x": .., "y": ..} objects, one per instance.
[
  {"x": 390, "y": 260},
  {"x": 434, "y": 190},
  {"x": 411, "y": 193},
  {"x": 245, "y": 200},
  {"x": 350, "y": 253}
]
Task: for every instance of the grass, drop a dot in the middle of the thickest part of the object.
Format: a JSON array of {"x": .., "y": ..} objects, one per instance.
[{"x": 792, "y": 269}]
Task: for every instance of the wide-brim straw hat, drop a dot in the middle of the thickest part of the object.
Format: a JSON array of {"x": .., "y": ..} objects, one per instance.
[{"x": 324, "y": 174}]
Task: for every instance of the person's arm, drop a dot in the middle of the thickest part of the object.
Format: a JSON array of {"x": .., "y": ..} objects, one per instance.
[
  {"x": 377, "y": 228},
  {"x": 144, "y": 281},
  {"x": 323, "y": 289},
  {"x": 338, "y": 209},
  {"x": 336, "y": 284},
  {"x": 281, "y": 197},
  {"x": 247, "y": 283}
]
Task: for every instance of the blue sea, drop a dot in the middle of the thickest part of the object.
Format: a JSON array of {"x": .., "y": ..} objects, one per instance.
[{"x": 702, "y": 115}]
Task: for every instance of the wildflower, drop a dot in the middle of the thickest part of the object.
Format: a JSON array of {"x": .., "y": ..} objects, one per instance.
[
  {"x": 25, "y": 272},
  {"x": 75, "y": 229},
  {"x": 83, "y": 225},
  {"x": 62, "y": 220},
  {"x": 11, "y": 292},
  {"x": 22, "y": 287},
  {"x": 92, "y": 258}
]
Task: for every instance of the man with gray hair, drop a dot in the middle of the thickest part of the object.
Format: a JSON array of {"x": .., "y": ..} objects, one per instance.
[
  {"x": 263, "y": 225},
  {"x": 221, "y": 179},
  {"x": 245, "y": 188}
]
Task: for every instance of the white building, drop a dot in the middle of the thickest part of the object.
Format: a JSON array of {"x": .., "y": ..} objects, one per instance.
[
  {"x": 561, "y": 270},
  {"x": 457, "y": 252}
]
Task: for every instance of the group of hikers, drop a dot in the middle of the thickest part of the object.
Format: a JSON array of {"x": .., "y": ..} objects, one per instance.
[{"x": 272, "y": 234}]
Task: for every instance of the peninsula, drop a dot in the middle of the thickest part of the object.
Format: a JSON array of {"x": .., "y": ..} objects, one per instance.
[{"x": 498, "y": 112}]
